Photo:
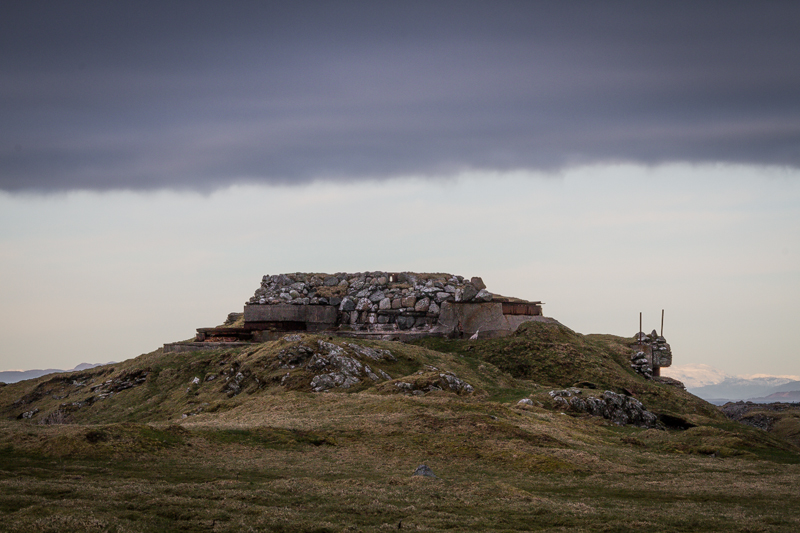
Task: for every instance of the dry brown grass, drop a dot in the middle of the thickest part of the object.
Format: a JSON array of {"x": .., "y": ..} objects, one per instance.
[{"x": 275, "y": 458}]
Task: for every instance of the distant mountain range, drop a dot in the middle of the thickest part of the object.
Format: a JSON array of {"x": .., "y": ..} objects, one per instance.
[
  {"x": 13, "y": 376},
  {"x": 761, "y": 389},
  {"x": 717, "y": 387}
]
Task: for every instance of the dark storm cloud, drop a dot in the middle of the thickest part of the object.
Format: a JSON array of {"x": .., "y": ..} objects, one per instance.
[{"x": 139, "y": 95}]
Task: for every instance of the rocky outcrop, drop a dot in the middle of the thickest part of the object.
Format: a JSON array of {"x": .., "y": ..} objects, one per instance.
[
  {"x": 617, "y": 408},
  {"x": 664, "y": 380},
  {"x": 758, "y": 415},
  {"x": 431, "y": 379},
  {"x": 333, "y": 366}
]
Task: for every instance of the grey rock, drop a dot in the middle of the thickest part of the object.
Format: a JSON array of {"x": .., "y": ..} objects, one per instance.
[
  {"x": 455, "y": 383},
  {"x": 376, "y": 354},
  {"x": 425, "y": 471},
  {"x": 422, "y": 305},
  {"x": 443, "y": 297},
  {"x": 477, "y": 283},
  {"x": 617, "y": 408},
  {"x": 376, "y": 297},
  {"x": 484, "y": 296},
  {"x": 363, "y": 293},
  {"x": 468, "y": 293},
  {"x": 331, "y": 281},
  {"x": 386, "y": 303},
  {"x": 409, "y": 301},
  {"x": 347, "y": 305},
  {"x": 405, "y": 322}
]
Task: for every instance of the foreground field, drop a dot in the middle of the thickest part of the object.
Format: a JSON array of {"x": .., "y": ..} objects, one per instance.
[
  {"x": 145, "y": 446},
  {"x": 261, "y": 479}
]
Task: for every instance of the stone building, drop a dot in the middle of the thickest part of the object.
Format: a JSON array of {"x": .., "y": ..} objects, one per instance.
[{"x": 381, "y": 305}]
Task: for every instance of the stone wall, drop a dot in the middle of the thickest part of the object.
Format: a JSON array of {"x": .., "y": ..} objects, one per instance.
[
  {"x": 651, "y": 354},
  {"x": 375, "y": 301}
]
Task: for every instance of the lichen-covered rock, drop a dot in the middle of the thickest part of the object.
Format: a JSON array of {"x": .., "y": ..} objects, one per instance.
[
  {"x": 333, "y": 365},
  {"x": 618, "y": 408},
  {"x": 429, "y": 380}
]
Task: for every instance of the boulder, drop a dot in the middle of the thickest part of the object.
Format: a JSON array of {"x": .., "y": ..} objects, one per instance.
[
  {"x": 443, "y": 297},
  {"x": 477, "y": 283},
  {"x": 347, "y": 305},
  {"x": 468, "y": 293},
  {"x": 376, "y": 297},
  {"x": 484, "y": 296},
  {"x": 405, "y": 322},
  {"x": 409, "y": 301},
  {"x": 424, "y": 471}
]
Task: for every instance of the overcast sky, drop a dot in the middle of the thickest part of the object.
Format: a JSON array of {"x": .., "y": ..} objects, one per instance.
[{"x": 156, "y": 158}]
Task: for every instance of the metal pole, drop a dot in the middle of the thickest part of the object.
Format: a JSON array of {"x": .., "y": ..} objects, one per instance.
[
  {"x": 662, "y": 322},
  {"x": 640, "y": 328}
]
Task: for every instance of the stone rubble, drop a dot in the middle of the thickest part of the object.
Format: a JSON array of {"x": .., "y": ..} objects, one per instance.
[
  {"x": 402, "y": 300},
  {"x": 617, "y": 408}
]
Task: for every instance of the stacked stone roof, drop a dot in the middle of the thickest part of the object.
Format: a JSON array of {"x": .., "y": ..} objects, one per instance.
[{"x": 406, "y": 298}]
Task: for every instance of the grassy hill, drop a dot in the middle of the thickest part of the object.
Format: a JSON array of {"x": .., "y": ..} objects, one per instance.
[{"x": 313, "y": 433}]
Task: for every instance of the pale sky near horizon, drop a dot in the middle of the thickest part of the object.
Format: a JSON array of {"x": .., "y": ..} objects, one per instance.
[
  {"x": 156, "y": 159},
  {"x": 95, "y": 277}
]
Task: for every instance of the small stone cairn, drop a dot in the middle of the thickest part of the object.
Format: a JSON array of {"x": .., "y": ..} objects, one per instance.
[
  {"x": 655, "y": 345},
  {"x": 374, "y": 300}
]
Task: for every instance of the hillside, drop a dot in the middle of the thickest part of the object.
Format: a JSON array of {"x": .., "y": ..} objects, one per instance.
[{"x": 311, "y": 432}]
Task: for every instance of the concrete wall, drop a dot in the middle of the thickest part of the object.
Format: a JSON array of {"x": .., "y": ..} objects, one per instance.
[
  {"x": 488, "y": 317},
  {"x": 319, "y": 315}
]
